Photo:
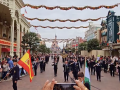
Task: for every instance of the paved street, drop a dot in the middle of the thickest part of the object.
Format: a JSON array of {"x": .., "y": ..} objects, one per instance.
[{"x": 108, "y": 83}]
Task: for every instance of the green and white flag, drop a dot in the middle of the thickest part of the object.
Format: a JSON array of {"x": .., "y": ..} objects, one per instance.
[{"x": 87, "y": 75}]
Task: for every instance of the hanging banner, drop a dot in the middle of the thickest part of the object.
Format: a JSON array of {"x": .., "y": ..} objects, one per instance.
[
  {"x": 50, "y": 20},
  {"x": 72, "y": 7}
]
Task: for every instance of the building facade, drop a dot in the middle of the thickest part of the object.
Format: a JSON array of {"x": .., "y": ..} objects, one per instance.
[
  {"x": 110, "y": 34},
  {"x": 12, "y": 27},
  {"x": 91, "y": 32},
  {"x": 74, "y": 43}
]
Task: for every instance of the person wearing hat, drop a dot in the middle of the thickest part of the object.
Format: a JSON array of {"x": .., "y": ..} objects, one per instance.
[
  {"x": 15, "y": 73},
  {"x": 81, "y": 79}
]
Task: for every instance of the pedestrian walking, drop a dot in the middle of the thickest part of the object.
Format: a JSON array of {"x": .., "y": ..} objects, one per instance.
[
  {"x": 76, "y": 69},
  {"x": 112, "y": 69},
  {"x": 41, "y": 64},
  {"x": 98, "y": 70},
  {"x": 44, "y": 64},
  {"x": 55, "y": 64},
  {"x": 35, "y": 66},
  {"x": 15, "y": 73},
  {"x": 118, "y": 67},
  {"x": 66, "y": 70}
]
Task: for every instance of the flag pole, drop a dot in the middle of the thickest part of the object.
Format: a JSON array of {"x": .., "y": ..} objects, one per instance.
[{"x": 84, "y": 68}]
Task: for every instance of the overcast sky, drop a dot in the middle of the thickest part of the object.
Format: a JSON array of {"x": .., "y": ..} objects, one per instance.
[{"x": 42, "y": 13}]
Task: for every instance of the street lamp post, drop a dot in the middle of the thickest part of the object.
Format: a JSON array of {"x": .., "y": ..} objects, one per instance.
[{"x": 110, "y": 44}]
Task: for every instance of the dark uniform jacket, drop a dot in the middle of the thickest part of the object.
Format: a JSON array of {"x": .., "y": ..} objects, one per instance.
[
  {"x": 66, "y": 68},
  {"x": 15, "y": 73},
  {"x": 76, "y": 67},
  {"x": 98, "y": 67},
  {"x": 55, "y": 66},
  {"x": 112, "y": 66}
]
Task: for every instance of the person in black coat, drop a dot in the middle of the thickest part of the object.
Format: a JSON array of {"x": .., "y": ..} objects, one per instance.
[
  {"x": 44, "y": 64},
  {"x": 81, "y": 79},
  {"x": 112, "y": 68},
  {"x": 76, "y": 69},
  {"x": 118, "y": 67},
  {"x": 15, "y": 73},
  {"x": 41, "y": 64},
  {"x": 98, "y": 70},
  {"x": 55, "y": 64},
  {"x": 66, "y": 70},
  {"x": 35, "y": 66},
  {"x": 105, "y": 65}
]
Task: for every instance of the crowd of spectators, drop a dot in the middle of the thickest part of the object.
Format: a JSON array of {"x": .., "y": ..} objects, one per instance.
[{"x": 6, "y": 64}]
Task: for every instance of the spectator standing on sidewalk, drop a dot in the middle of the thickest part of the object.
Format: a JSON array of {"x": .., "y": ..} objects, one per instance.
[
  {"x": 118, "y": 67},
  {"x": 10, "y": 63},
  {"x": 5, "y": 70},
  {"x": 0, "y": 71}
]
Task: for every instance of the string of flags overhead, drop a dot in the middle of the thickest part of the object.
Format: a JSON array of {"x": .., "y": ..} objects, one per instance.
[
  {"x": 59, "y": 27},
  {"x": 50, "y": 20},
  {"x": 66, "y": 8},
  {"x": 72, "y": 7}
]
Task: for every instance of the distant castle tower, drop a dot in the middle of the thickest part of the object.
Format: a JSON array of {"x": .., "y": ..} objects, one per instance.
[{"x": 54, "y": 47}]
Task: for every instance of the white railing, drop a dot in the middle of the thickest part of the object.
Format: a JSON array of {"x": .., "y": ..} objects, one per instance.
[{"x": 5, "y": 2}]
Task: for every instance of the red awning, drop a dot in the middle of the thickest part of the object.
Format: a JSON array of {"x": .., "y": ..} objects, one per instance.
[
  {"x": 7, "y": 50},
  {"x": 118, "y": 33}
]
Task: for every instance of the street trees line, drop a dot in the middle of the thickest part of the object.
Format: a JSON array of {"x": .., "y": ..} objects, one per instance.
[
  {"x": 90, "y": 45},
  {"x": 31, "y": 41}
]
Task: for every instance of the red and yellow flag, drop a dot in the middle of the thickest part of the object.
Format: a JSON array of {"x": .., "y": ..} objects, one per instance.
[{"x": 25, "y": 62}]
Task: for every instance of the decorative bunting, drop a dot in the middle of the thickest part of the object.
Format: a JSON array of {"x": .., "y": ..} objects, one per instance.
[
  {"x": 60, "y": 27},
  {"x": 72, "y": 7},
  {"x": 50, "y": 20}
]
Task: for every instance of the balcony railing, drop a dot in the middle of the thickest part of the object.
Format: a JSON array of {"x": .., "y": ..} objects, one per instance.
[
  {"x": 118, "y": 41},
  {"x": 103, "y": 43},
  {"x": 5, "y": 2}
]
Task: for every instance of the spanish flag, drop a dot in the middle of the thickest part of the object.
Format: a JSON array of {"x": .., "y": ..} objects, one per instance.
[{"x": 25, "y": 62}]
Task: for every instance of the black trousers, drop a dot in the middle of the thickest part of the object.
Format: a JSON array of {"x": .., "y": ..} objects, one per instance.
[
  {"x": 41, "y": 68},
  {"x": 14, "y": 85},
  {"x": 119, "y": 76},
  {"x": 81, "y": 64},
  {"x": 35, "y": 70},
  {"x": 94, "y": 69},
  {"x": 112, "y": 72},
  {"x": 98, "y": 75},
  {"x": 91, "y": 70},
  {"x": 55, "y": 72},
  {"x": 44, "y": 67},
  {"x": 75, "y": 75},
  {"x": 105, "y": 69},
  {"x": 66, "y": 76}
]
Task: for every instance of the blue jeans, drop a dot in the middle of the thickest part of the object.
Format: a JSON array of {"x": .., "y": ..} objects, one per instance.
[
  {"x": 4, "y": 74},
  {"x": 20, "y": 70}
]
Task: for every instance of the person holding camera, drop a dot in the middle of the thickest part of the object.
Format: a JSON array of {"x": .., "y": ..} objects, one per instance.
[{"x": 50, "y": 85}]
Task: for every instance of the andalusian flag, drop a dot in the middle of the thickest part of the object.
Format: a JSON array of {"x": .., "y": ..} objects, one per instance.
[
  {"x": 87, "y": 75},
  {"x": 25, "y": 62}
]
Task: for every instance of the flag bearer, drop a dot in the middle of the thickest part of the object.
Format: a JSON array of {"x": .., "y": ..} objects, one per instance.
[{"x": 15, "y": 73}]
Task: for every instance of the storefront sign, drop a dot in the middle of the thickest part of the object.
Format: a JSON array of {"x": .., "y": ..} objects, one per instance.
[{"x": 5, "y": 42}]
